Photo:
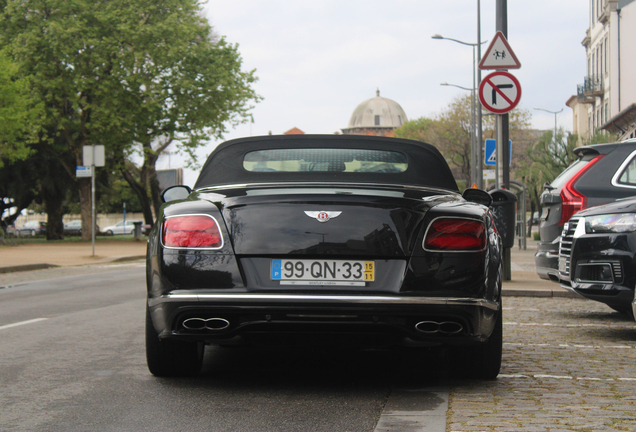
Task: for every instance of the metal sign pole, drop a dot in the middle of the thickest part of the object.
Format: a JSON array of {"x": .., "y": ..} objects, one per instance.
[
  {"x": 502, "y": 26},
  {"x": 498, "y": 153},
  {"x": 93, "y": 200},
  {"x": 480, "y": 143}
]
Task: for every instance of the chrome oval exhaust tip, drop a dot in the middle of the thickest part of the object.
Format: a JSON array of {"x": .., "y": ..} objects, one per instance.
[
  {"x": 450, "y": 327},
  {"x": 214, "y": 324},
  {"x": 445, "y": 327},
  {"x": 427, "y": 327}
]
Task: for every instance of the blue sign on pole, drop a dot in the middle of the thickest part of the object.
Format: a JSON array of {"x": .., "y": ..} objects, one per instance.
[{"x": 490, "y": 154}]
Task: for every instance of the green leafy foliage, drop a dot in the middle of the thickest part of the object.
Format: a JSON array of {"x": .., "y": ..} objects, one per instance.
[
  {"x": 136, "y": 76},
  {"x": 18, "y": 112},
  {"x": 549, "y": 157},
  {"x": 450, "y": 130}
]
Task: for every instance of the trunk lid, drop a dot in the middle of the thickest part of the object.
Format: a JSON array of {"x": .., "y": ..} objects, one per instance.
[{"x": 335, "y": 222}]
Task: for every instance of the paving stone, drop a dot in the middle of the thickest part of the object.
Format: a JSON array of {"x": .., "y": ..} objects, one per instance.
[{"x": 568, "y": 365}]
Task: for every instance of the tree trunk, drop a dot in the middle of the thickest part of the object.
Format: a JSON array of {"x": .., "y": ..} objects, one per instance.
[
  {"x": 54, "y": 214},
  {"x": 155, "y": 191},
  {"x": 140, "y": 190}
]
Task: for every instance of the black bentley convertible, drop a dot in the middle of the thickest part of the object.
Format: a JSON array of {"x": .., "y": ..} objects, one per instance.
[{"x": 325, "y": 239}]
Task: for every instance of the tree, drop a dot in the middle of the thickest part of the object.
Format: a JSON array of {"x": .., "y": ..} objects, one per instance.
[
  {"x": 548, "y": 158},
  {"x": 544, "y": 161},
  {"x": 120, "y": 73},
  {"x": 18, "y": 189},
  {"x": 18, "y": 112},
  {"x": 184, "y": 96},
  {"x": 450, "y": 133}
]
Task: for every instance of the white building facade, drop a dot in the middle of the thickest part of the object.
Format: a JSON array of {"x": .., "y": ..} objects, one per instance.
[{"x": 606, "y": 100}]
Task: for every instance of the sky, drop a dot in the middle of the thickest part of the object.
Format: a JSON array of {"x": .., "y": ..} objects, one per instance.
[{"x": 316, "y": 61}]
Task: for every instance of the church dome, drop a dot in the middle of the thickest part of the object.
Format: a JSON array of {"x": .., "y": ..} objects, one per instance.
[{"x": 377, "y": 114}]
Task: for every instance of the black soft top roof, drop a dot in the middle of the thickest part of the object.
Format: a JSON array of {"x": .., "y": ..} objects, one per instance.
[{"x": 426, "y": 165}]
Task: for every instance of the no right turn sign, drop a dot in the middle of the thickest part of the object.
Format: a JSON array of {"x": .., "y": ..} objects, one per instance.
[{"x": 499, "y": 92}]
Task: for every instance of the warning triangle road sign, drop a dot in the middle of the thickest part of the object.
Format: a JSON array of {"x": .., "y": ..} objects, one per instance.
[{"x": 499, "y": 55}]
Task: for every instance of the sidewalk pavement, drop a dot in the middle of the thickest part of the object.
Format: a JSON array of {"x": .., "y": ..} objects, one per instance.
[{"x": 524, "y": 280}]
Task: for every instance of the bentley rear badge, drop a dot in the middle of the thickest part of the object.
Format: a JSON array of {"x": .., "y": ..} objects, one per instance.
[{"x": 323, "y": 216}]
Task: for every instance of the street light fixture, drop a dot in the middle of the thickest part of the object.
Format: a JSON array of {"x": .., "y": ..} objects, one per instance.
[
  {"x": 475, "y": 153},
  {"x": 555, "y": 120},
  {"x": 458, "y": 86}
]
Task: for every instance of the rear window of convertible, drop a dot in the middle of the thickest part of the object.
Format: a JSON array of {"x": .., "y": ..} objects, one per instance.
[{"x": 325, "y": 160}]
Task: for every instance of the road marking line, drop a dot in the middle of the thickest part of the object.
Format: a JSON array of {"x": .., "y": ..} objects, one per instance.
[
  {"x": 619, "y": 347},
  {"x": 617, "y": 325},
  {"x": 415, "y": 410},
  {"x": 22, "y": 323},
  {"x": 562, "y": 377}
]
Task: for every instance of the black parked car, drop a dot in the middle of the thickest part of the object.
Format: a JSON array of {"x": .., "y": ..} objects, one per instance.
[
  {"x": 598, "y": 253},
  {"x": 602, "y": 174},
  {"x": 338, "y": 240}
]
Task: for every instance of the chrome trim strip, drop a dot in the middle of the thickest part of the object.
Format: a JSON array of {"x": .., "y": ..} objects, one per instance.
[
  {"x": 312, "y": 298},
  {"x": 619, "y": 171},
  {"x": 327, "y": 184},
  {"x": 190, "y": 248}
]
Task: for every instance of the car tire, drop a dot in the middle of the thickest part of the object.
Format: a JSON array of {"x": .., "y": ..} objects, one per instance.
[
  {"x": 480, "y": 361},
  {"x": 167, "y": 358},
  {"x": 32, "y": 233},
  {"x": 109, "y": 233}
]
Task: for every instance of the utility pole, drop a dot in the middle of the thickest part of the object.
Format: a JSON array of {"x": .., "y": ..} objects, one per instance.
[
  {"x": 503, "y": 134},
  {"x": 504, "y": 119},
  {"x": 480, "y": 140}
]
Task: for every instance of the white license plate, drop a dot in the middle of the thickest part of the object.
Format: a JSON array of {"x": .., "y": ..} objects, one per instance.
[{"x": 323, "y": 272}]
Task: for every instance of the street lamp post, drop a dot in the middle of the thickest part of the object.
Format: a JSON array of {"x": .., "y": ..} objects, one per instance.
[
  {"x": 555, "y": 120},
  {"x": 474, "y": 154},
  {"x": 473, "y": 147}
]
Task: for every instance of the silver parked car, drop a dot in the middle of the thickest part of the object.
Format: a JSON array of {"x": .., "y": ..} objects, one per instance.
[
  {"x": 32, "y": 228},
  {"x": 127, "y": 227}
]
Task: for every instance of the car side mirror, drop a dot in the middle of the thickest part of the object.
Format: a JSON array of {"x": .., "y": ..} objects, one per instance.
[
  {"x": 174, "y": 193},
  {"x": 478, "y": 196}
]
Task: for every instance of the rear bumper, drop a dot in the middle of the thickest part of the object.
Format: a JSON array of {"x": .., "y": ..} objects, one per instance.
[
  {"x": 546, "y": 260},
  {"x": 387, "y": 320}
]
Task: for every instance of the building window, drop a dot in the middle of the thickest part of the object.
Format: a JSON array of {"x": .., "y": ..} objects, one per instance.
[
  {"x": 605, "y": 48},
  {"x": 377, "y": 120},
  {"x": 400, "y": 119},
  {"x": 597, "y": 66}
]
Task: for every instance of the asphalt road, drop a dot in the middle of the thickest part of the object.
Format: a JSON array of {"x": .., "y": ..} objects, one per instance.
[{"x": 72, "y": 359}]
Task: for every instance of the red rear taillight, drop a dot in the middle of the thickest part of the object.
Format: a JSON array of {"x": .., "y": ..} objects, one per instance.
[
  {"x": 450, "y": 234},
  {"x": 572, "y": 200},
  {"x": 195, "y": 231}
]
